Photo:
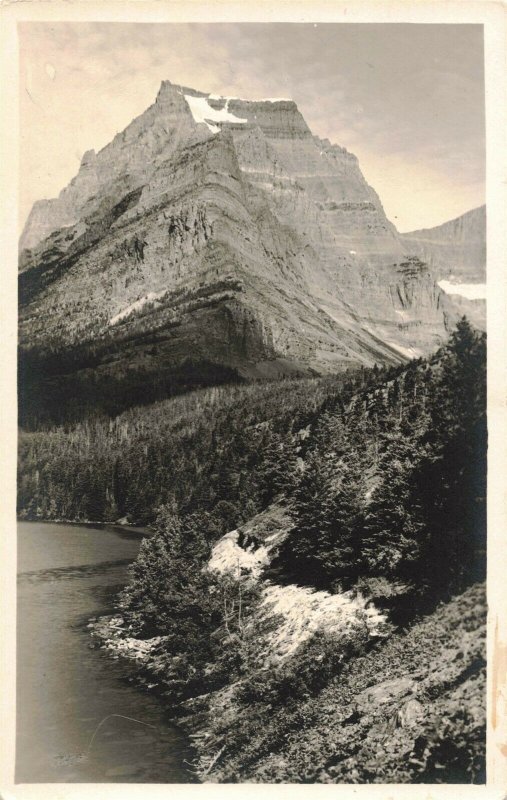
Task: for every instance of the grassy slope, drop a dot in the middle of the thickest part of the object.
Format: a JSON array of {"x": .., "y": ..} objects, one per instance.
[{"x": 393, "y": 715}]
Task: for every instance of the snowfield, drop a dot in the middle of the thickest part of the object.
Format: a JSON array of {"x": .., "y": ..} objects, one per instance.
[
  {"x": 244, "y": 100},
  {"x": 472, "y": 291},
  {"x": 203, "y": 112}
]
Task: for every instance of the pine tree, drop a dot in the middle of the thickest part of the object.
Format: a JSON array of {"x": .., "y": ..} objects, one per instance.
[
  {"x": 451, "y": 481},
  {"x": 278, "y": 472},
  {"x": 392, "y": 524},
  {"x": 300, "y": 552}
]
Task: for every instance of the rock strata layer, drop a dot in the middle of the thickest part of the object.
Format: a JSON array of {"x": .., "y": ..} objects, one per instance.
[{"x": 221, "y": 232}]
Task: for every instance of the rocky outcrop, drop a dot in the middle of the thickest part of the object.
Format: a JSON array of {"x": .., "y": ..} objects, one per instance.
[
  {"x": 410, "y": 711},
  {"x": 226, "y": 232}
]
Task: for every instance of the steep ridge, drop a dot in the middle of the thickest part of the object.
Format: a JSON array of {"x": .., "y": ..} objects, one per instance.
[
  {"x": 218, "y": 231},
  {"x": 456, "y": 255},
  {"x": 456, "y": 249},
  {"x": 124, "y": 164}
]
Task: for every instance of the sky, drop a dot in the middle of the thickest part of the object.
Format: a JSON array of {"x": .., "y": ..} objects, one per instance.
[{"x": 406, "y": 99}]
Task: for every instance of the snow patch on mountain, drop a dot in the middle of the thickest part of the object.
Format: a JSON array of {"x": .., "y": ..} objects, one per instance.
[
  {"x": 149, "y": 298},
  {"x": 472, "y": 291},
  {"x": 203, "y": 112},
  {"x": 244, "y": 100}
]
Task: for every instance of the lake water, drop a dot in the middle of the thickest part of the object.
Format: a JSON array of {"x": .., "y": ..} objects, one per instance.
[{"x": 66, "y": 689}]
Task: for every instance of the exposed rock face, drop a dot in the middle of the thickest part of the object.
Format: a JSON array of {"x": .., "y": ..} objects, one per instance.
[
  {"x": 456, "y": 255},
  {"x": 127, "y": 162},
  {"x": 222, "y": 231},
  {"x": 456, "y": 249}
]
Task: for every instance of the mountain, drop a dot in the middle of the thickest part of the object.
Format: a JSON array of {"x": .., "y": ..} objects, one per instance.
[
  {"x": 213, "y": 239},
  {"x": 309, "y": 606},
  {"x": 456, "y": 249},
  {"x": 456, "y": 255}
]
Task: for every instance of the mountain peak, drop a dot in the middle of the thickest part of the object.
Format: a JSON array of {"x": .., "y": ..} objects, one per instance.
[
  {"x": 89, "y": 157},
  {"x": 227, "y": 227},
  {"x": 169, "y": 90},
  {"x": 166, "y": 88}
]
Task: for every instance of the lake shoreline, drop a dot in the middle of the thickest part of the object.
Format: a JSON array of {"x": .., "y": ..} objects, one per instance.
[
  {"x": 68, "y": 576},
  {"x": 109, "y": 632},
  {"x": 89, "y": 523}
]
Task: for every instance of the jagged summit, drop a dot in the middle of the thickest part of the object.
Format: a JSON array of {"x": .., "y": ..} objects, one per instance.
[
  {"x": 167, "y": 87},
  {"x": 231, "y": 235},
  {"x": 178, "y": 113}
]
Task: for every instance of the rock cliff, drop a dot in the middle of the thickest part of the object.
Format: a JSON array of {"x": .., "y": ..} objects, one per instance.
[
  {"x": 456, "y": 249},
  {"x": 222, "y": 232},
  {"x": 456, "y": 255}
]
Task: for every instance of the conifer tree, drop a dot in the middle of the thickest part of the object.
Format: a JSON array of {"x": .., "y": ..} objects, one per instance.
[{"x": 451, "y": 479}]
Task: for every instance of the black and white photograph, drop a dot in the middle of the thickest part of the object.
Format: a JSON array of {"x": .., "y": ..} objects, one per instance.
[{"x": 252, "y": 407}]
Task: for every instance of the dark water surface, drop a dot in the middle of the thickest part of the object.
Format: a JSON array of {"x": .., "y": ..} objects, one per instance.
[{"x": 65, "y": 689}]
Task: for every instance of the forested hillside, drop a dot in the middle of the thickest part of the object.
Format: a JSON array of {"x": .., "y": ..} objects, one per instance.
[
  {"x": 395, "y": 488},
  {"x": 373, "y": 490},
  {"x": 223, "y": 443},
  {"x": 385, "y": 469},
  {"x": 386, "y": 493}
]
